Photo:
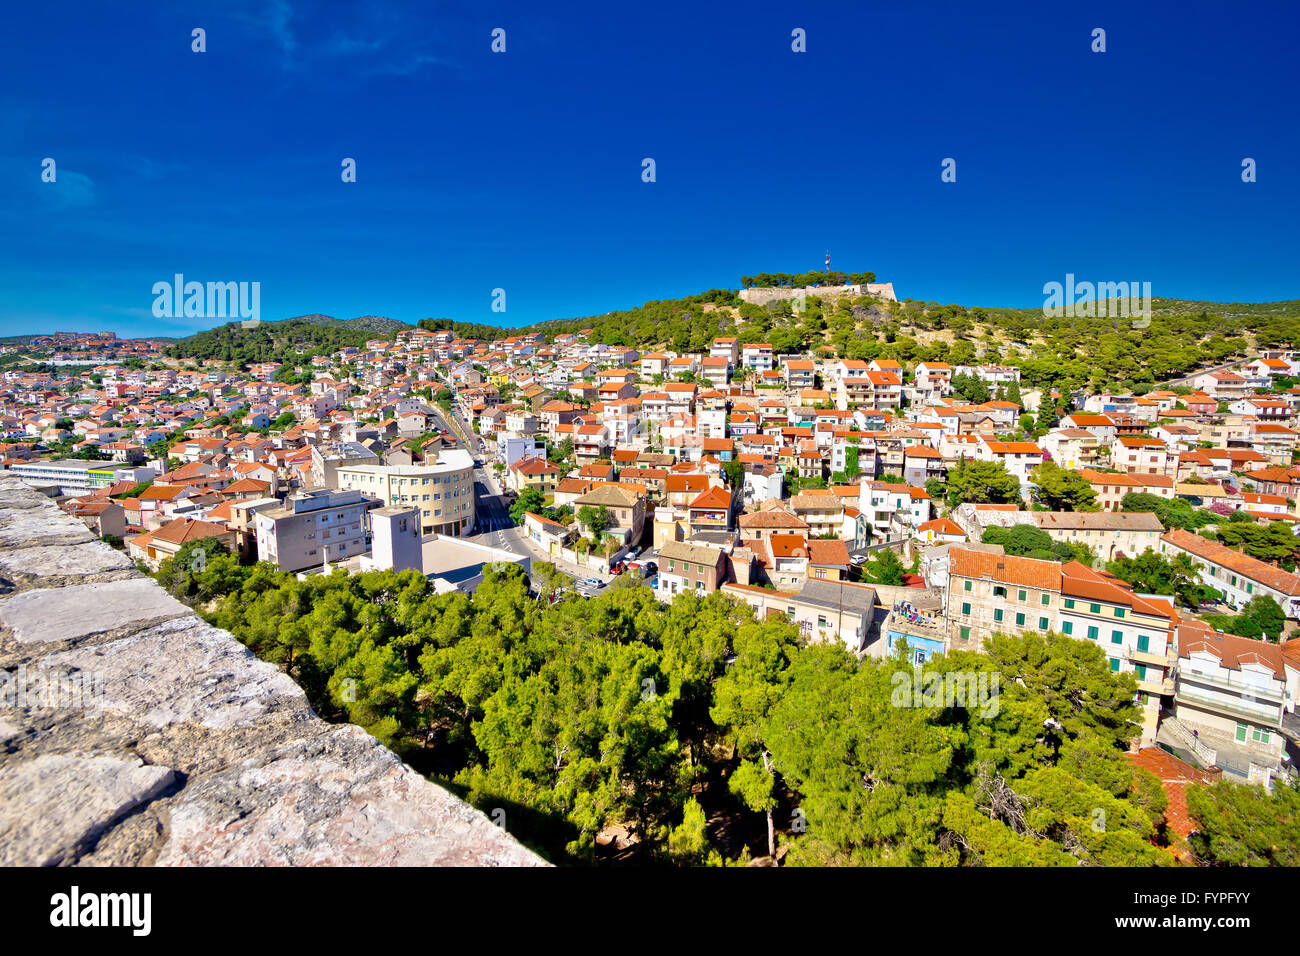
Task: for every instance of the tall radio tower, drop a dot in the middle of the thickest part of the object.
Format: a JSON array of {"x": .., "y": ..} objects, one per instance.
[{"x": 828, "y": 262}]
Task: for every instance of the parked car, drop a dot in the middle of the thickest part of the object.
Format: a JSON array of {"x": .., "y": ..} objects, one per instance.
[{"x": 859, "y": 559}]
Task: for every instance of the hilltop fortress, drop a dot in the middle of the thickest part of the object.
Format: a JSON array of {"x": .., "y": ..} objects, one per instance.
[{"x": 762, "y": 296}]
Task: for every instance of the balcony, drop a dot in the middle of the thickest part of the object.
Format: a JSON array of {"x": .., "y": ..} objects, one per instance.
[
  {"x": 1260, "y": 714},
  {"x": 1274, "y": 691},
  {"x": 1148, "y": 657},
  {"x": 1161, "y": 688}
]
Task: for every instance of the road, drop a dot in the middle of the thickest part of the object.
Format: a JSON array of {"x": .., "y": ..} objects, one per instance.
[{"x": 493, "y": 524}]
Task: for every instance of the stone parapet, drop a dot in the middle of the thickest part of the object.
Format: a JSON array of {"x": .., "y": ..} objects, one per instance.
[{"x": 133, "y": 733}]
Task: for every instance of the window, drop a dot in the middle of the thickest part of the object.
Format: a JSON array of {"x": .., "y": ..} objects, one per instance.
[
  {"x": 1117, "y": 637},
  {"x": 1141, "y": 671},
  {"x": 997, "y": 614},
  {"x": 1119, "y": 612},
  {"x": 1114, "y": 664},
  {"x": 968, "y": 585},
  {"x": 1092, "y": 633},
  {"x": 965, "y": 633},
  {"x": 1047, "y": 599},
  {"x": 1144, "y": 642},
  {"x": 1067, "y": 628},
  {"x": 1042, "y": 623},
  {"x": 1020, "y": 595},
  {"x": 1259, "y": 735},
  {"x": 999, "y": 591},
  {"x": 1020, "y": 620},
  {"x": 1069, "y": 604},
  {"x": 1094, "y": 608},
  {"x": 965, "y": 608},
  {"x": 1242, "y": 729}
]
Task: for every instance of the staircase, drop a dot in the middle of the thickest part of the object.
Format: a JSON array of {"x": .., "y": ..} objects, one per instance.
[{"x": 1205, "y": 756}]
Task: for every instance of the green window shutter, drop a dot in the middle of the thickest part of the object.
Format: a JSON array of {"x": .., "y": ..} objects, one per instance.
[
  {"x": 1069, "y": 604},
  {"x": 1117, "y": 637},
  {"x": 1119, "y": 612},
  {"x": 965, "y": 608},
  {"x": 965, "y": 633},
  {"x": 1021, "y": 595},
  {"x": 1141, "y": 671},
  {"x": 1241, "y": 733},
  {"x": 1047, "y": 598},
  {"x": 1092, "y": 633},
  {"x": 997, "y": 614},
  {"x": 1042, "y": 623},
  {"x": 1114, "y": 665},
  {"x": 1067, "y": 628},
  {"x": 968, "y": 585},
  {"x": 1094, "y": 608},
  {"x": 1020, "y": 620},
  {"x": 1144, "y": 642}
]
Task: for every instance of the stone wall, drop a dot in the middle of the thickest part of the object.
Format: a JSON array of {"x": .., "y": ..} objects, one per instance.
[
  {"x": 132, "y": 733},
  {"x": 764, "y": 295}
]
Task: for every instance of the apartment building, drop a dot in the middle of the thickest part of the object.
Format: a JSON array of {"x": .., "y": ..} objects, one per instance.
[
  {"x": 1238, "y": 576},
  {"x": 1110, "y": 488},
  {"x": 72, "y": 476},
  {"x": 313, "y": 528},
  {"x": 990, "y": 593},
  {"x": 443, "y": 490},
  {"x": 1109, "y": 534},
  {"x": 1233, "y": 693},
  {"x": 1136, "y": 632}
]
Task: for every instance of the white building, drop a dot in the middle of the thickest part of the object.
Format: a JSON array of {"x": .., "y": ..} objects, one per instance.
[{"x": 442, "y": 490}]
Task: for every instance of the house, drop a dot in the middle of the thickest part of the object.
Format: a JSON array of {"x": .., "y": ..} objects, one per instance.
[
  {"x": 1139, "y": 454},
  {"x": 823, "y": 611},
  {"x": 828, "y": 560},
  {"x": 711, "y": 510},
  {"x": 940, "y": 531},
  {"x": 548, "y": 535},
  {"x": 154, "y": 547},
  {"x": 534, "y": 472},
  {"x": 799, "y": 374},
  {"x": 625, "y": 508},
  {"x": 758, "y": 358},
  {"x": 103, "y": 516},
  {"x": 689, "y": 568}
]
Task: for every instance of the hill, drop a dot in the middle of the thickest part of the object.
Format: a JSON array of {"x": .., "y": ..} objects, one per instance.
[
  {"x": 375, "y": 324},
  {"x": 287, "y": 340},
  {"x": 1093, "y": 352}
]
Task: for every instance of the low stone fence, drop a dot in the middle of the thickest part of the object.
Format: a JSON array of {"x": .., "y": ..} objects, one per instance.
[{"x": 132, "y": 733}]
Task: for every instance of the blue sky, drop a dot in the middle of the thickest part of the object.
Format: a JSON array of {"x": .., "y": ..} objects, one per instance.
[{"x": 522, "y": 170}]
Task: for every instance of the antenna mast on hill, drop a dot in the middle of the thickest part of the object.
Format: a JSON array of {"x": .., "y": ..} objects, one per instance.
[{"x": 828, "y": 262}]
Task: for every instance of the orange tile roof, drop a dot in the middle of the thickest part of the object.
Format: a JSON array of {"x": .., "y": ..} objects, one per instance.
[{"x": 1275, "y": 578}]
